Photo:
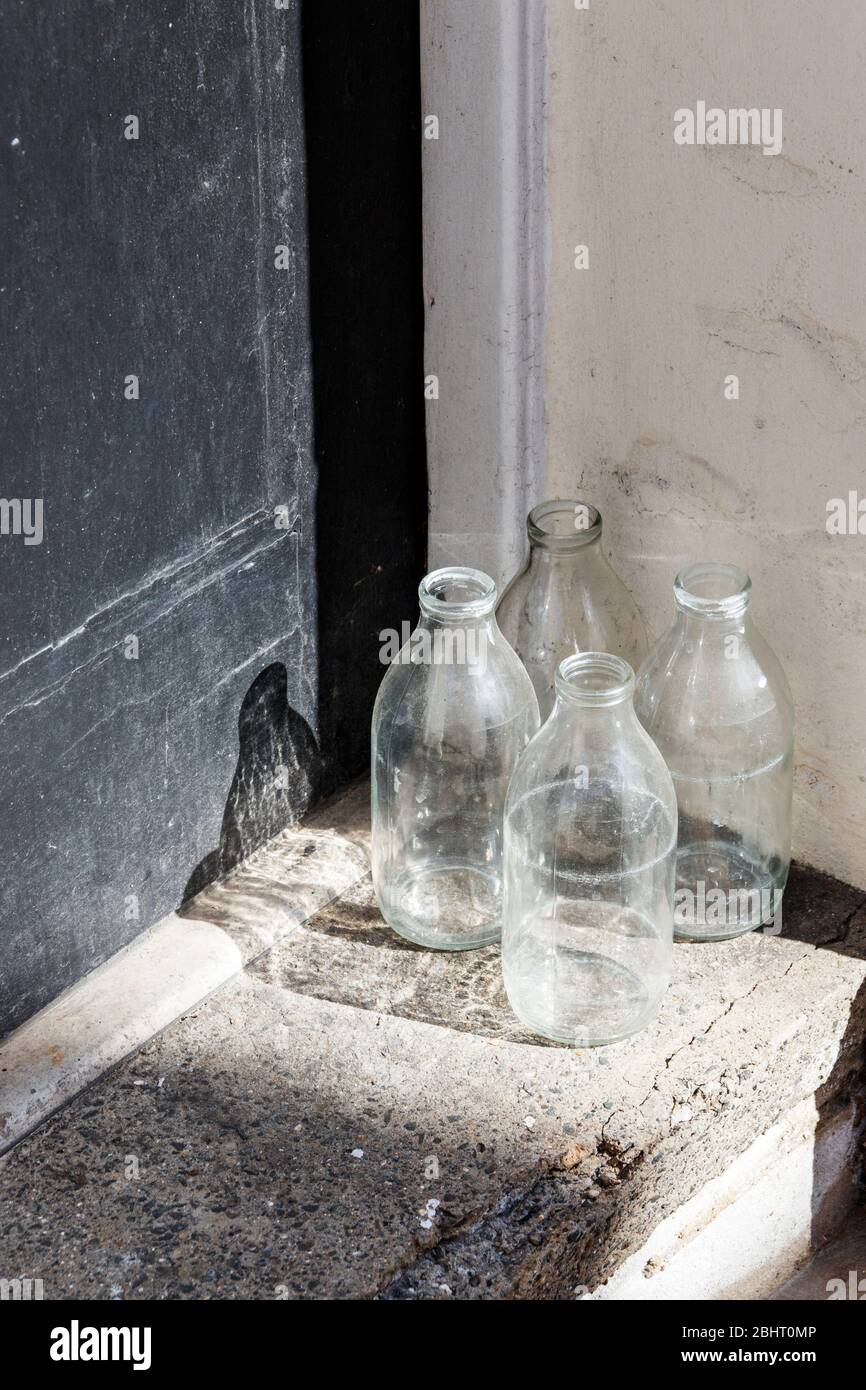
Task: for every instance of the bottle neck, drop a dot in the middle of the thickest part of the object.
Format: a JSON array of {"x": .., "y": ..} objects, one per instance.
[
  {"x": 712, "y": 600},
  {"x": 699, "y": 627},
  {"x": 595, "y": 688},
  {"x": 482, "y": 622},
  {"x": 566, "y": 532},
  {"x": 594, "y": 719},
  {"x": 458, "y": 597},
  {"x": 583, "y": 552}
]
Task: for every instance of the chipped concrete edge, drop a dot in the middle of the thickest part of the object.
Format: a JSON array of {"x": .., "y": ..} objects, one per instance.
[{"x": 176, "y": 964}]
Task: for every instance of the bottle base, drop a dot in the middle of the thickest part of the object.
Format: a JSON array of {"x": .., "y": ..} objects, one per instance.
[
  {"x": 723, "y": 892},
  {"x": 565, "y": 983},
  {"x": 625, "y": 1007},
  {"x": 446, "y": 907}
]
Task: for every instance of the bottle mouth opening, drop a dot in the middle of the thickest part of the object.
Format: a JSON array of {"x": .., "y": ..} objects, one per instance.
[
  {"x": 457, "y": 593},
  {"x": 713, "y": 589},
  {"x": 564, "y": 525},
  {"x": 595, "y": 678}
]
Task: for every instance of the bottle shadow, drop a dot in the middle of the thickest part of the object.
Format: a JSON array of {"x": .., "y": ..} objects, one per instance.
[{"x": 276, "y": 779}]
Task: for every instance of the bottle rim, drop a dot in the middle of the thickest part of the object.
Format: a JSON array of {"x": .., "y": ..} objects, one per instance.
[
  {"x": 713, "y": 589},
  {"x": 595, "y": 679},
  {"x": 568, "y": 524},
  {"x": 457, "y": 592}
]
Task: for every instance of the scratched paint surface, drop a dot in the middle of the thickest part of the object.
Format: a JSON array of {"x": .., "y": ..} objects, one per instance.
[
  {"x": 152, "y": 257},
  {"x": 164, "y": 704}
]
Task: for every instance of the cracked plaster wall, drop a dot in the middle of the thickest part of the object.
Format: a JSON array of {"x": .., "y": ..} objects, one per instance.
[{"x": 706, "y": 262}]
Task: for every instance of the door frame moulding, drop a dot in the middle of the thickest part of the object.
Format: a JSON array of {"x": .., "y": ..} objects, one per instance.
[{"x": 486, "y": 270}]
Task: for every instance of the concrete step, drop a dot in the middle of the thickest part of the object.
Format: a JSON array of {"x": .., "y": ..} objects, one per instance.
[{"x": 349, "y": 1116}]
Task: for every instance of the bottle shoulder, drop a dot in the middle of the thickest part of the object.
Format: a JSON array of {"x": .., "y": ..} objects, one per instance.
[
  {"x": 563, "y": 755},
  {"x": 553, "y": 609},
  {"x": 482, "y": 680},
  {"x": 697, "y": 680}
]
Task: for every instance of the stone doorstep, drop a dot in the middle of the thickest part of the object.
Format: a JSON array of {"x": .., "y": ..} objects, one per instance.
[
  {"x": 743, "y": 1232},
  {"x": 375, "y": 1123},
  {"x": 178, "y": 962}
]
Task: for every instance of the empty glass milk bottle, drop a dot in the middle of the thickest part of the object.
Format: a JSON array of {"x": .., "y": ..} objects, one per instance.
[
  {"x": 714, "y": 698},
  {"x": 567, "y": 598},
  {"x": 454, "y": 712},
  {"x": 590, "y": 849}
]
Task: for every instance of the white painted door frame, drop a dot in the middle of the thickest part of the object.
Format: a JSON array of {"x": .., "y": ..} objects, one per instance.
[{"x": 486, "y": 254}]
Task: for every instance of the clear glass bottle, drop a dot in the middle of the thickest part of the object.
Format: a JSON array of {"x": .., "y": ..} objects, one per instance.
[
  {"x": 454, "y": 712},
  {"x": 590, "y": 850},
  {"x": 567, "y": 598},
  {"x": 714, "y": 698}
]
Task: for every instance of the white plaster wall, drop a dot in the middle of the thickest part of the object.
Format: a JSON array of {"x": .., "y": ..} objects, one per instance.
[{"x": 703, "y": 262}]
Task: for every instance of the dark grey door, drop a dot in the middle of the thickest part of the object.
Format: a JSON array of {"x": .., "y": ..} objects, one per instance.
[{"x": 167, "y": 359}]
